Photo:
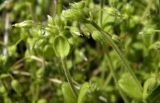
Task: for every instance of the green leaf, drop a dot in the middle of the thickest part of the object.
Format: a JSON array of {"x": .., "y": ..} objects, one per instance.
[
  {"x": 151, "y": 91},
  {"x": 135, "y": 101},
  {"x": 129, "y": 86},
  {"x": 155, "y": 46},
  {"x": 40, "y": 73},
  {"x": 83, "y": 92},
  {"x": 50, "y": 21},
  {"x": 154, "y": 95},
  {"x": 61, "y": 46},
  {"x": 7, "y": 100},
  {"x": 149, "y": 85},
  {"x": 68, "y": 94},
  {"x": 16, "y": 86},
  {"x": 2, "y": 76},
  {"x": 42, "y": 101},
  {"x": 3, "y": 90},
  {"x": 49, "y": 52}
]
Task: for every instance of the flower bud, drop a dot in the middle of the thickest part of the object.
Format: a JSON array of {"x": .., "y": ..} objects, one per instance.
[
  {"x": 42, "y": 101},
  {"x": 73, "y": 14},
  {"x": 40, "y": 73},
  {"x": 155, "y": 46},
  {"x": 3, "y": 89},
  {"x": 75, "y": 31},
  {"x": 16, "y": 86},
  {"x": 27, "y": 23},
  {"x": 79, "y": 5},
  {"x": 115, "y": 38},
  {"x": 113, "y": 11},
  {"x": 96, "y": 35},
  {"x": 128, "y": 8},
  {"x": 50, "y": 21}
]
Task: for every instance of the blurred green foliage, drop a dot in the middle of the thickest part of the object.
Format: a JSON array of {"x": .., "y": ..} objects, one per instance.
[{"x": 43, "y": 33}]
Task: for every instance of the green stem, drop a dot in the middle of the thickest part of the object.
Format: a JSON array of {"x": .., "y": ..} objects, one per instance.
[
  {"x": 158, "y": 7},
  {"x": 108, "y": 79},
  {"x": 149, "y": 5},
  {"x": 157, "y": 68},
  {"x": 59, "y": 7},
  {"x": 156, "y": 31},
  {"x": 68, "y": 77},
  {"x": 35, "y": 92},
  {"x": 101, "y": 11},
  {"x": 105, "y": 38},
  {"x": 116, "y": 78},
  {"x": 5, "y": 36},
  {"x": 112, "y": 69}
]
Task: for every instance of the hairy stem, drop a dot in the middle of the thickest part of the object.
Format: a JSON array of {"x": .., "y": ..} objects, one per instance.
[
  {"x": 114, "y": 75},
  {"x": 52, "y": 10},
  {"x": 68, "y": 77},
  {"x": 105, "y": 39}
]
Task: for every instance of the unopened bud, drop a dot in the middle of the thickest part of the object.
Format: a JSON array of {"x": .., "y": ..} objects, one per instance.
[
  {"x": 27, "y": 23},
  {"x": 79, "y": 5},
  {"x": 73, "y": 14}
]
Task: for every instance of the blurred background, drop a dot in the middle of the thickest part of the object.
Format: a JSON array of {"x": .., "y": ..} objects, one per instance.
[{"x": 31, "y": 73}]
